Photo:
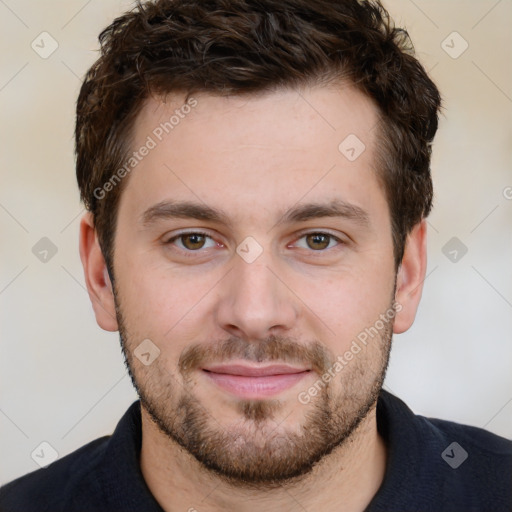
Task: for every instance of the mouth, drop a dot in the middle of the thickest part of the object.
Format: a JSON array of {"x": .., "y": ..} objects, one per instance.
[{"x": 255, "y": 382}]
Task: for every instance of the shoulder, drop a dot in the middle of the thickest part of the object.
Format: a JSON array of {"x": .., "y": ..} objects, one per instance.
[
  {"x": 446, "y": 465},
  {"x": 50, "y": 488},
  {"x": 467, "y": 443},
  {"x": 435, "y": 432},
  {"x": 482, "y": 441},
  {"x": 476, "y": 464}
]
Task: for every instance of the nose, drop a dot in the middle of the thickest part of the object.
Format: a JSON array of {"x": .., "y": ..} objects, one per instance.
[{"x": 255, "y": 301}]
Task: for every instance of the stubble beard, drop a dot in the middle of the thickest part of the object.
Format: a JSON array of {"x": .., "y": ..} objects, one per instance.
[{"x": 259, "y": 452}]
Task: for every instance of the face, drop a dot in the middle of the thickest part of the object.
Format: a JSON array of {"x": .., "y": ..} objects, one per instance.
[{"x": 257, "y": 258}]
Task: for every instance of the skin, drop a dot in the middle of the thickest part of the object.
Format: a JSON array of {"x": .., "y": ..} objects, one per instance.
[{"x": 255, "y": 157}]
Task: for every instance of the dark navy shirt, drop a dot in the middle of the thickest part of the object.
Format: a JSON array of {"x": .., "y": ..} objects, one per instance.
[{"x": 433, "y": 466}]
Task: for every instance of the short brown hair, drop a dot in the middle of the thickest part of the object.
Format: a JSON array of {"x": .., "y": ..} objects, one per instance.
[{"x": 237, "y": 47}]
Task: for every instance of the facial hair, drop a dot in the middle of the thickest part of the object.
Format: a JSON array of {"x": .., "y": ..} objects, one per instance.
[{"x": 258, "y": 452}]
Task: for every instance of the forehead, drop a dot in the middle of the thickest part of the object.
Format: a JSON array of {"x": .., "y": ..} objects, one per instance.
[
  {"x": 306, "y": 116},
  {"x": 260, "y": 151}
]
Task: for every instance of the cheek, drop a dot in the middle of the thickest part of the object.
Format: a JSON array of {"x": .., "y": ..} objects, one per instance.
[
  {"x": 161, "y": 304},
  {"x": 346, "y": 304}
]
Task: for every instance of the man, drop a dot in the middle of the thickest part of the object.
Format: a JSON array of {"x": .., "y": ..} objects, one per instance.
[{"x": 257, "y": 175}]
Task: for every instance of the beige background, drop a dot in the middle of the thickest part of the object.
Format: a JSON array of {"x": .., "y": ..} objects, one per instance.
[{"x": 62, "y": 379}]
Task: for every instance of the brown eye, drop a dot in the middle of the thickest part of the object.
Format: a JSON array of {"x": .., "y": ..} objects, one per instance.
[
  {"x": 318, "y": 241},
  {"x": 193, "y": 241}
]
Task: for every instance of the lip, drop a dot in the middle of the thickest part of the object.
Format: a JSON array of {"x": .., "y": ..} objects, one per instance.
[
  {"x": 253, "y": 382},
  {"x": 254, "y": 371}
]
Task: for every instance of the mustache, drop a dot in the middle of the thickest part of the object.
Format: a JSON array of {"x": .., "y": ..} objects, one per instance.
[{"x": 272, "y": 348}]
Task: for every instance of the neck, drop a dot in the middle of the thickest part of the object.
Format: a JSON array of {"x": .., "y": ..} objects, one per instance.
[{"x": 346, "y": 480}]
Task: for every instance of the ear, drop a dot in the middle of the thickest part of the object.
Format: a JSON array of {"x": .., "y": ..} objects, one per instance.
[
  {"x": 96, "y": 275},
  {"x": 410, "y": 277}
]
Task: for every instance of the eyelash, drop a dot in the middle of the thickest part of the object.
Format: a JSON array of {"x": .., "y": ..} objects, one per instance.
[{"x": 190, "y": 253}]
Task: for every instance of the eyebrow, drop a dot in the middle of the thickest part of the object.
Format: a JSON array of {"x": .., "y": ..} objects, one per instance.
[
  {"x": 167, "y": 210},
  {"x": 335, "y": 208}
]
